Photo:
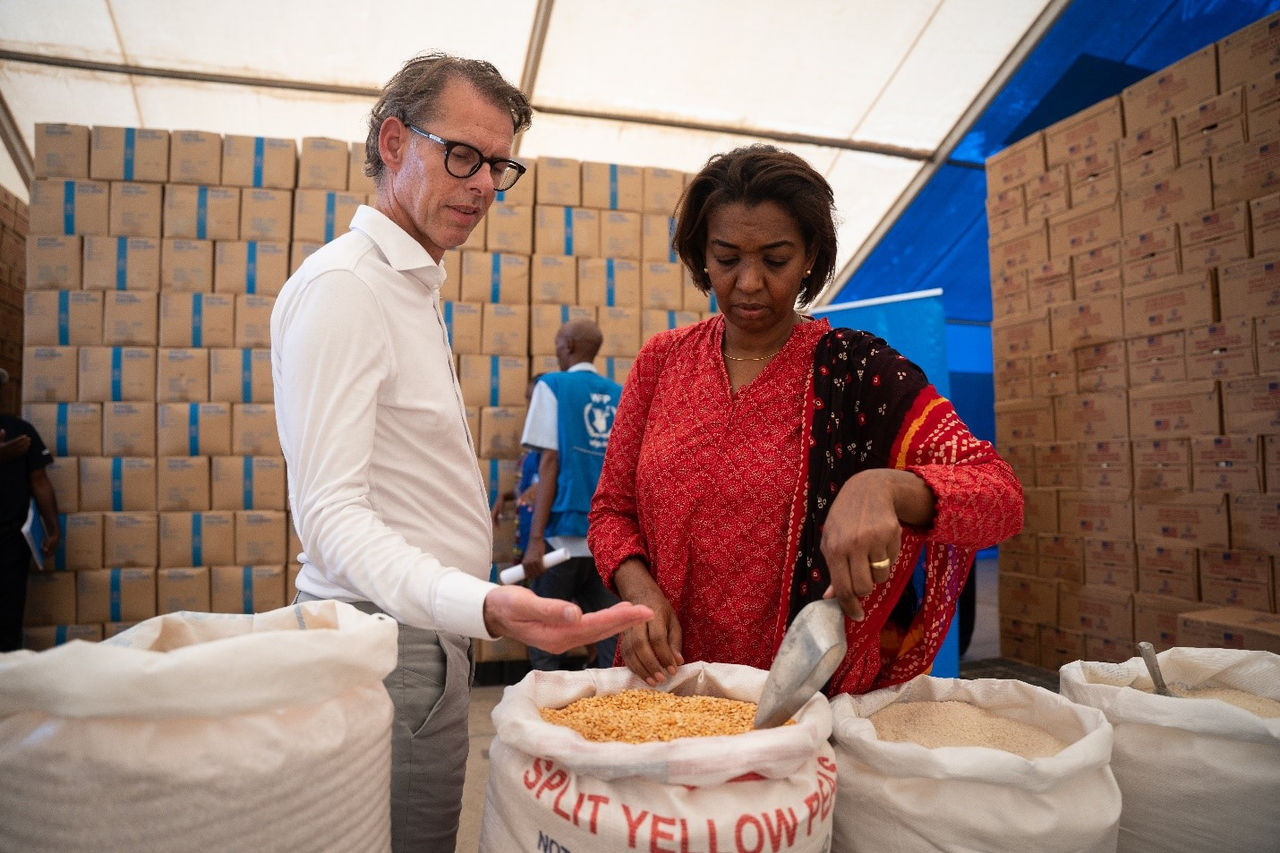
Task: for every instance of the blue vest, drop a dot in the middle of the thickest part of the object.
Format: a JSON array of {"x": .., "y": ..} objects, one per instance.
[{"x": 586, "y": 403}]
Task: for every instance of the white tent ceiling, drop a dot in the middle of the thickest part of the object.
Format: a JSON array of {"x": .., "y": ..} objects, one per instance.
[{"x": 871, "y": 92}]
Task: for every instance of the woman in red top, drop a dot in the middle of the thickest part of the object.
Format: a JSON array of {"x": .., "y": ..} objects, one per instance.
[{"x": 760, "y": 459}]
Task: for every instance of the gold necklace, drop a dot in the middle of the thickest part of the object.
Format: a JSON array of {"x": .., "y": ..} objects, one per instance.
[{"x": 757, "y": 358}]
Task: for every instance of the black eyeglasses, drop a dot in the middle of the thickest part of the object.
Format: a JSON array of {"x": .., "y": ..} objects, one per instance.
[{"x": 462, "y": 161}]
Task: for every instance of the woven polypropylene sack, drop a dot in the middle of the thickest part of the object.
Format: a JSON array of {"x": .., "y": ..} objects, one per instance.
[
  {"x": 906, "y": 797},
  {"x": 1196, "y": 774},
  {"x": 200, "y": 731},
  {"x": 551, "y": 789}
]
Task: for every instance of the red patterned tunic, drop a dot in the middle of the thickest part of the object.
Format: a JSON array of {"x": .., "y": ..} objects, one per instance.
[{"x": 710, "y": 488}]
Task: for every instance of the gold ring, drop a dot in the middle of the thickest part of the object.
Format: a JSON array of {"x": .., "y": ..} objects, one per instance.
[{"x": 881, "y": 564}]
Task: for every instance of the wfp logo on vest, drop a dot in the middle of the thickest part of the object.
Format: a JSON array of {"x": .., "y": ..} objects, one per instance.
[{"x": 598, "y": 415}]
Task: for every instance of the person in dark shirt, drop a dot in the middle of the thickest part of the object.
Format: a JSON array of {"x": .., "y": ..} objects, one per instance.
[{"x": 23, "y": 458}]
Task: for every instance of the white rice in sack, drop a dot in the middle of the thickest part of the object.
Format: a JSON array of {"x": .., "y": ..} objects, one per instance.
[
  {"x": 1197, "y": 772},
  {"x": 982, "y": 764}
]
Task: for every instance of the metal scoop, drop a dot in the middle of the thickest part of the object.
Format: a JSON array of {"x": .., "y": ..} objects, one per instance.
[
  {"x": 810, "y": 651},
  {"x": 1148, "y": 653}
]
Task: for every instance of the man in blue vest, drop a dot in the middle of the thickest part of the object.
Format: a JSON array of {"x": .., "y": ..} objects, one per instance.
[{"x": 569, "y": 421}]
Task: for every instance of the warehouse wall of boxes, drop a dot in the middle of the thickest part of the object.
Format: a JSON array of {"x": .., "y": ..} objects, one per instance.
[
  {"x": 141, "y": 280},
  {"x": 1135, "y": 272}
]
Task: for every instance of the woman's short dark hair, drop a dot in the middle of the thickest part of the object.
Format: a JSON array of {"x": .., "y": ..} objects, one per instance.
[
  {"x": 413, "y": 96},
  {"x": 751, "y": 175}
]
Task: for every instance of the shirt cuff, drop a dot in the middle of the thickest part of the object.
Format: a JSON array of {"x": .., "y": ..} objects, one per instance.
[{"x": 459, "y": 605}]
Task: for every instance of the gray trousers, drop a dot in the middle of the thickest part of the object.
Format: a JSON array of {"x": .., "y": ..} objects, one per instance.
[{"x": 431, "y": 691}]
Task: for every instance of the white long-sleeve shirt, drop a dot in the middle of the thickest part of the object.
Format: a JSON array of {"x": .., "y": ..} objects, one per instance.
[{"x": 385, "y": 489}]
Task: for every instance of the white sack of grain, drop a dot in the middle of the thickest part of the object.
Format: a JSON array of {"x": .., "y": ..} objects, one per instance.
[
  {"x": 902, "y": 796},
  {"x": 202, "y": 731},
  {"x": 1196, "y": 774},
  {"x": 552, "y": 789}
]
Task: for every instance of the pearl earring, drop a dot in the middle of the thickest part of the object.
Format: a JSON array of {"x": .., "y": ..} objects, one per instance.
[
  {"x": 807, "y": 272},
  {"x": 705, "y": 271}
]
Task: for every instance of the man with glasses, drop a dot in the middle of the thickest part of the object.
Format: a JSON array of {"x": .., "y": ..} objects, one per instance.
[{"x": 386, "y": 493}]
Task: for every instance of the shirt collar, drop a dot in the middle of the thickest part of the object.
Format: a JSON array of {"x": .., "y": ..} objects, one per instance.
[
  {"x": 403, "y": 253},
  {"x": 583, "y": 365}
]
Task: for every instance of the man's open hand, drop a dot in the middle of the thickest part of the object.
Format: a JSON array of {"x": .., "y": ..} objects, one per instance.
[{"x": 551, "y": 624}]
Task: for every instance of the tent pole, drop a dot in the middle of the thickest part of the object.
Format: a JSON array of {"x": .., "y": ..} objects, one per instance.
[
  {"x": 16, "y": 145},
  {"x": 533, "y": 54}
]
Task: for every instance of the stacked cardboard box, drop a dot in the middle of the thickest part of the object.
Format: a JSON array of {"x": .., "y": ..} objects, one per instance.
[
  {"x": 152, "y": 266},
  {"x": 1136, "y": 297},
  {"x": 153, "y": 260}
]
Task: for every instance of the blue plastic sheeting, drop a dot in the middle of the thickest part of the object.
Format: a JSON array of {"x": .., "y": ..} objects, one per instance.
[
  {"x": 1094, "y": 50},
  {"x": 968, "y": 347},
  {"x": 974, "y": 396},
  {"x": 946, "y": 224}
]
